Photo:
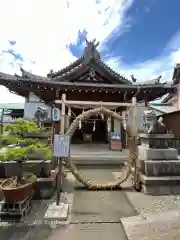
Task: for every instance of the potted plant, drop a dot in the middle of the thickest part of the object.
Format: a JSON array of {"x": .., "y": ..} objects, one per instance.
[
  {"x": 18, "y": 187},
  {"x": 21, "y": 155},
  {"x": 37, "y": 155}
]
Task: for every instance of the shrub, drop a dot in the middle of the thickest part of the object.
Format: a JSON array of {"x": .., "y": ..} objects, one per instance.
[
  {"x": 20, "y": 126},
  {"x": 28, "y": 148}
]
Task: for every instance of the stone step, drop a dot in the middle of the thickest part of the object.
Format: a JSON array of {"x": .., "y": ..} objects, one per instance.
[
  {"x": 159, "y": 181},
  {"x": 146, "y": 153},
  {"x": 161, "y": 190},
  {"x": 160, "y": 168}
]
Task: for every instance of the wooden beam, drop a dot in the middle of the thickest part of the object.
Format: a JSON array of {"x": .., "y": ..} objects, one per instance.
[
  {"x": 94, "y": 104},
  {"x": 62, "y": 122}
]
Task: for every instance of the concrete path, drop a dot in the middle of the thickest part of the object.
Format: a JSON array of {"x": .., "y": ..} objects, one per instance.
[
  {"x": 94, "y": 214},
  {"x": 100, "y": 206},
  {"x": 122, "y": 214},
  {"x": 158, "y": 216}
]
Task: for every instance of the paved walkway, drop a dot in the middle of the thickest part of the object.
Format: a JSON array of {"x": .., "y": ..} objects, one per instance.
[{"x": 94, "y": 214}]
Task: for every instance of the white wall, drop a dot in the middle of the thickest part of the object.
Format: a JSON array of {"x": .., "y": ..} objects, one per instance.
[
  {"x": 140, "y": 113},
  {"x": 117, "y": 126},
  {"x": 139, "y": 117},
  {"x": 31, "y": 105}
]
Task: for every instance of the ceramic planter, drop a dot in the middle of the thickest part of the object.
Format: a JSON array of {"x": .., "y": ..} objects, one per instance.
[
  {"x": 19, "y": 193},
  {"x": 38, "y": 167}
]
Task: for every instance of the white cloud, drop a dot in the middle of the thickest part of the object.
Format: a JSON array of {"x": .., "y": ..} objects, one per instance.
[
  {"x": 162, "y": 65},
  {"x": 43, "y": 29}
]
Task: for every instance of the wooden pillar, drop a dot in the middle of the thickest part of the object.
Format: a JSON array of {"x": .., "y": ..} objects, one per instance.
[
  {"x": 63, "y": 114},
  {"x": 134, "y": 115},
  {"x": 60, "y": 163},
  {"x": 122, "y": 132},
  {"x": 145, "y": 101},
  {"x": 178, "y": 97}
]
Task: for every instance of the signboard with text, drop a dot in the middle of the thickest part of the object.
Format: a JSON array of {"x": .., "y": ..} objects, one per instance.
[{"x": 61, "y": 146}]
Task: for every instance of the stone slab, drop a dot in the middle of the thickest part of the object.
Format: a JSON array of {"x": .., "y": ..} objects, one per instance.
[
  {"x": 93, "y": 160},
  {"x": 159, "y": 181},
  {"x": 161, "y": 190},
  {"x": 146, "y": 153},
  {"x": 160, "y": 168},
  {"x": 157, "y": 136},
  {"x": 154, "y": 226},
  {"x": 57, "y": 212}
]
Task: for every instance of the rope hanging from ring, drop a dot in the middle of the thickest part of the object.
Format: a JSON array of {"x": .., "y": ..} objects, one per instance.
[{"x": 129, "y": 168}]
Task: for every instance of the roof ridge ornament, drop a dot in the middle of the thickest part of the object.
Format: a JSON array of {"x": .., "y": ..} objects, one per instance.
[
  {"x": 90, "y": 50},
  {"x": 134, "y": 80}
]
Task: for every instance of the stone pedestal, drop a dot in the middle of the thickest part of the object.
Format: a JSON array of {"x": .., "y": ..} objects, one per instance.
[
  {"x": 57, "y": 213},
  {"x": 159, "y": 168}
]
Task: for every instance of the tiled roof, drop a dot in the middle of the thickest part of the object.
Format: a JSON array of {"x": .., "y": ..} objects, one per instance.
[{"x": 163, "y": 109}]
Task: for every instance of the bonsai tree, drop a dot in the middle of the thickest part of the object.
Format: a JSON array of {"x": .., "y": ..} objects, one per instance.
[{"x": 25, "y": 148}]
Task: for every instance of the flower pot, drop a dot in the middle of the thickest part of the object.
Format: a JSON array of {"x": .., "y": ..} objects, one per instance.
[
  {"x": 38, "y": 167},
  {"x": 43, "y": 136},
  {"x": 2, "y": 170},
  {"x": 19, "y": 193},
  {"x": 10, "y": 169},
  {"x": 36, "y": 135}
]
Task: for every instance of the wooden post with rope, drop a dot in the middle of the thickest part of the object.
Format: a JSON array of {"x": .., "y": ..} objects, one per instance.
[{"x": 60, "y": 160}]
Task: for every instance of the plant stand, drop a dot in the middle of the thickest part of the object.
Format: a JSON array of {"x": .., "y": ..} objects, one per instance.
[{"x": 17, "y": 210}]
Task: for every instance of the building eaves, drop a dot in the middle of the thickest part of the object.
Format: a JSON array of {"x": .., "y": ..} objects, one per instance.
[
  {"x": 163, "y": 109},
  {"x": 28, "y": 75}
]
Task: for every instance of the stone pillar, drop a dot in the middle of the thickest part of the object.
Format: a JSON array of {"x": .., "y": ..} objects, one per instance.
[{"x": 159, "y": 167}]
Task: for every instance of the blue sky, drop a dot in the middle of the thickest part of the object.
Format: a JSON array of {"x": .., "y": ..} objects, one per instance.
[{"x": 140, "y": 37}]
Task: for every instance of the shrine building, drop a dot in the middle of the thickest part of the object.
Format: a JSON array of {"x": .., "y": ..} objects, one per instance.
[{"x": 86, "y": 79}]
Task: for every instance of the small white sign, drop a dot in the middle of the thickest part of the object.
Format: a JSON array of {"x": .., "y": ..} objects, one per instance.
[
  {"x": 61, "y": 146},
  {"x": 56, "y": 114}
]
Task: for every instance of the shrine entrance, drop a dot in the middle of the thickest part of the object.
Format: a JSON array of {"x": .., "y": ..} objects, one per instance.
[
  {"x": 91, "y": 130},
  {"x": 130, "y": 167}
]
